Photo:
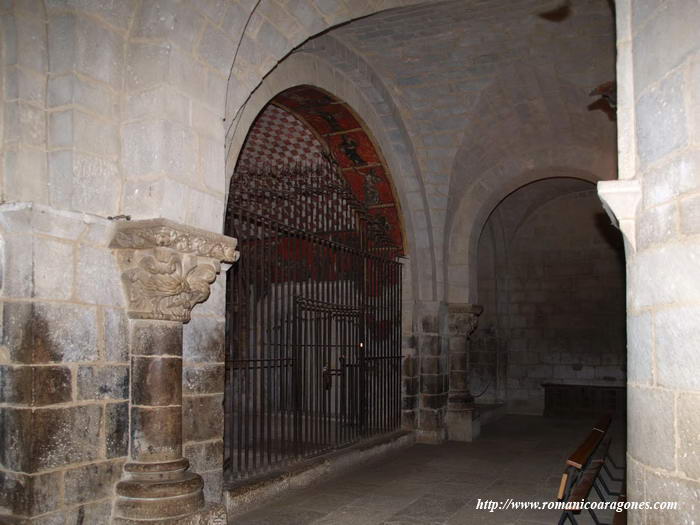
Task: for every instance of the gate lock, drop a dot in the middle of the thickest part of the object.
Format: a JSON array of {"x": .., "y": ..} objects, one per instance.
[{"x": 329, "y": 372}]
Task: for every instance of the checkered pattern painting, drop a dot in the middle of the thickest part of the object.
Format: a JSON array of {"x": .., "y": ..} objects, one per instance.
[{"x": 278, "y": 137}]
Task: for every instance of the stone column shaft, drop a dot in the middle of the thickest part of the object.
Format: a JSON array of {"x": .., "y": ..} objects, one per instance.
[{"x": 462, "y": 417}]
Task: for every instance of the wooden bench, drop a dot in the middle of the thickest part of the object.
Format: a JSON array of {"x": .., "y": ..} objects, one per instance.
[{"x": 582, "y": 472}]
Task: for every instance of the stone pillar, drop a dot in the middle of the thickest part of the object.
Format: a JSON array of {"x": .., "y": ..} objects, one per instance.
[
  {"x": 462, "y": 419},
  {"x": 166, "y": 269}
]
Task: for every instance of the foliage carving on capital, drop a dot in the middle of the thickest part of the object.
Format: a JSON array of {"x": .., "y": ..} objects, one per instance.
[
  {"x": 166, "y": 268},
  {"x": 464, "y": 318}
]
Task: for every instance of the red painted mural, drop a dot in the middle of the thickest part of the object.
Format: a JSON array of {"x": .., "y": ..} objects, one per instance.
[{"x": 303, "y": 122}]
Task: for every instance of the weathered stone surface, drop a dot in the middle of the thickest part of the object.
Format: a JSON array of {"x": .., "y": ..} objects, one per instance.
[
  {"x": 157, "y": 381},
  {"x": 155, "y": 338},
  {"x": 98, "y": 277},
  {"x": 116, "y": 330},
  {"x": 30, "y": 495},
  {"x": 48, "y": 438},
  {"x": 156, "y": 434},
  {"x": 41, "y": 333},
  {"x": 648, "y": 436},
  {"x": 52, "y": 258},
  {"x": 661, "y": 126},
  {"x": 91, "y": 482},
  {"x": 92, "y": 513},
  {"x": 665, "y": 488},
  {"x": 203, "y": 418},
  {"x": 103, "y": 382},
  {"x": 204, "y": 340},
  {"x": 205, "y": 456},
  {"x": 206, "y": 379},
  {"x": 677, "y": 359},
  {"x": 688, "y": 417},
  {"x": 117, "y": 429},
  {"x": 639, "y": 348}
]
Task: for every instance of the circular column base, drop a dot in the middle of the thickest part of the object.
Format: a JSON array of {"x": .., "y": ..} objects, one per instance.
[{"x": 158, "y": 491}]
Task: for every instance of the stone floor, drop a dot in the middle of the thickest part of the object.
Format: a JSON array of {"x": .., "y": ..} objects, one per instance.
[{"x": 518, "y": 457}]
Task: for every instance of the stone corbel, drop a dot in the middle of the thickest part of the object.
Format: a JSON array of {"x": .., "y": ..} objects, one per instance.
[
  {"x": 620, "y": 199},
  {"x": 167, "y": 268}
]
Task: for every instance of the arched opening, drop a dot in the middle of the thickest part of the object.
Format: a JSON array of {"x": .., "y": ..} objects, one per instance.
[
  {"x": 314, "y": 306},
  {"x": 551, "y": 278}
]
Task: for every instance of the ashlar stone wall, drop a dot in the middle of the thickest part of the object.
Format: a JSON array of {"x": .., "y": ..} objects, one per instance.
[{"x": 657, "y": 201}]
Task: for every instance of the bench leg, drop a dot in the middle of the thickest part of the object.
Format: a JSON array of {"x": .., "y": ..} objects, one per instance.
[
  {"x": 567, "y": 516},
  {"x": 606, "y": 488},
  {"x": 614, "y": 464},
  {"x": 607, "y": 470}
]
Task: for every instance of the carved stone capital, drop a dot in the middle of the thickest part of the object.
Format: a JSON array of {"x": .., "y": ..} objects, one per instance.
[
  {"x": 167, "y": 268},
  {"x": 463, "y": 318}
]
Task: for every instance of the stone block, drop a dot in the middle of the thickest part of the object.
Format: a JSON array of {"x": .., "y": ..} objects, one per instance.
[
  {"x": 213, "y": 486},
  {"x": 53, "y": 268},
  {"x": 688, "y": 421},
  {"x": 104, "y": 62},
  {"x": 655, "y": 276},
  {"x": 50, "y": 438},
  {"x": 155, "y": 337},
  {"x": 18, "y": 187},
  {"x": 116, "y": 332},
  {"x": 203, "y": 340},
  {"x": 651, "y": 430},
  {"x": 103, "y": 382},
  {"x": 159, "y": 147},
  {"x": 690, "y": 215},
  {"x": 661, "y": 120},
  {"x": 170, "y": 21},
  {"x": 656, "y": 225},
  {"x": 150, "y": 371},
  {"x": 160, "y": 198},
  {"x": 25, "y": 495},
  {"x": 205, "y": 379},
  {"x": 156, "y": 434},
  {"x": 92, "y": 513},
  {"x": 216, "y": 49},
  {"x": 24, "y": 123},
  {"x": 90, "y": 482},
  {"x": 50, "y": 385},
  {"x": 205, "y": 211},
  {"x": 160, "y": 102},
  {"x": 147, "y": 64},
  {"x": 660, "y": 487},
  {"x": 117, "y": 430},
  {"x": 668, "y": 37},
  {"x": 24, "y": 85},
  {"x": 639, "y": 348},
  {"x": 203, "y": 418},
  {"x": 677, "y": 339},
  {"x": 205, "y": 456},
  {"x": 24, "y": 40},
  {"x": 115, "y": 14},
  {"x": 98, "y": 277},
  {"x": 44, "y": 333},
  {"x": 188, "y": 75},
  {"x": 70, "y": 89},
  {"x": 84, "y": 182}
]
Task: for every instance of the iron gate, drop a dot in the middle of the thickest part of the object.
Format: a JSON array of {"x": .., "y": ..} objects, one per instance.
[{"x": 313, "y": 322}]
